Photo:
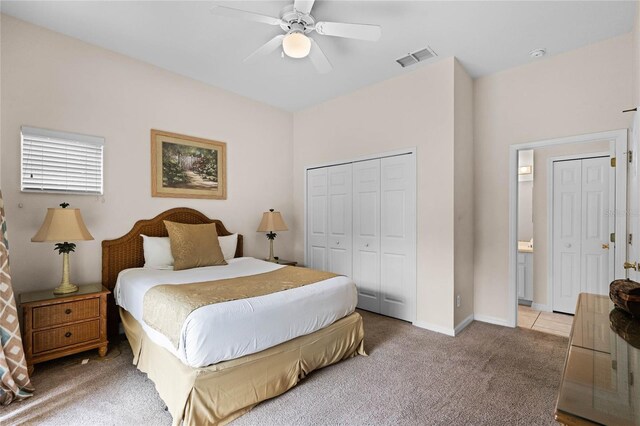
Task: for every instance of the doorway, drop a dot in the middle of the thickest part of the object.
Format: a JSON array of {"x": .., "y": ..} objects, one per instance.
[{"x": 611, "y": 144}]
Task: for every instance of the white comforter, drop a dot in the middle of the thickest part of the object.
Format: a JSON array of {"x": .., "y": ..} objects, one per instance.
[{"x": 229, "y": 330}]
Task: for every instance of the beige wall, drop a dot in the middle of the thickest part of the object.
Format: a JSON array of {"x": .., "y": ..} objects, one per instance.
[
  {"x": 581, "y": 91},
  {"x": 52, "y": 81},
  {"x": 414, "y": 110},
  {"x": 463, "y": 193},
  {"x": 540, "y": 211}
]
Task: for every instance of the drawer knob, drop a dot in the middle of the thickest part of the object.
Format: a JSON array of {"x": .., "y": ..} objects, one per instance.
[
  {"x": 68, "y": 311},
  {"x": 67, "y": 334}
]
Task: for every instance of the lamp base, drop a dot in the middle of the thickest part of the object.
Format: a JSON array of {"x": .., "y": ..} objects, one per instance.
[
  {"x": 271, "y": 257},
  {"x": 65, "y": 288}
]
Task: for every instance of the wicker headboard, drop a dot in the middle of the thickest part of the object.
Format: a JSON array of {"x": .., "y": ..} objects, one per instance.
[{"x": 126, "y": 252}]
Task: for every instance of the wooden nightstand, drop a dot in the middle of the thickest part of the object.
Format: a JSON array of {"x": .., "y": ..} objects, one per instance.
[
  {"x": 286, "y": 262},
  {"x": 60, "y": 325}
]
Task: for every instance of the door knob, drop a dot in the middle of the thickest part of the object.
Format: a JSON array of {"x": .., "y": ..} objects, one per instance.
[
  {"x": 629, "y": 265},
  {"x": 605, "y": 246}
]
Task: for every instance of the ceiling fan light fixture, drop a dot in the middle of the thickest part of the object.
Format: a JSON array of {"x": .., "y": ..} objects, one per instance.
[{"x": 296, "y": 45}]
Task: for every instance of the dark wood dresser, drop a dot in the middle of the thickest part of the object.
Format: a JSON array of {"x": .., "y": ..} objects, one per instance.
[
  {"x": 601, "y": 379},
  {"x": 60, "y": 325}
]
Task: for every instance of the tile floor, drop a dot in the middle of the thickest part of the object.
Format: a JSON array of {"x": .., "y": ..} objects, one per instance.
[{"x": 547, "y": 322}]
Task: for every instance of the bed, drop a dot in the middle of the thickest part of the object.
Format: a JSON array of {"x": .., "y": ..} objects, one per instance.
[{"x": 268, "y": 344}]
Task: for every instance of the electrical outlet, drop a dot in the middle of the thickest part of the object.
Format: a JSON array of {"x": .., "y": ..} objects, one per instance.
[{"x": 458, "y": 301}]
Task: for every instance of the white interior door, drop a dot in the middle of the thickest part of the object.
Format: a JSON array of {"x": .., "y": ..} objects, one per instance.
[
  {"x": 366, "y": 233},
  {"x": 595, "y": 277},
  {"x": 317, "y": 218},
  {"x": 340, "y": 220},
  {"x": 633, "y": 219},
  {"x": 582, "y": 254},
  {"x": 567, "y": 206},
  {"x": 398, "y": 237}
]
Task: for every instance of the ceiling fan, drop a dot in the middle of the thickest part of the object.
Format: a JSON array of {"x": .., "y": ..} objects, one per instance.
[{"x": 297, "y": 22}]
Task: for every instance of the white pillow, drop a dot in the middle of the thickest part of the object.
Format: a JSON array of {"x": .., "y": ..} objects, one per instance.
[
  {"x": 157, "y": 252},
  {"x": 228, "y": 245}
]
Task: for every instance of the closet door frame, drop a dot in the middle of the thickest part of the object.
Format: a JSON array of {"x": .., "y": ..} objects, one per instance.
[{"x": 406, "y": 151}]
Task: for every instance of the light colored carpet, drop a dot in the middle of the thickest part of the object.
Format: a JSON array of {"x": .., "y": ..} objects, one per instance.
[{"x": 487, "y": 375}]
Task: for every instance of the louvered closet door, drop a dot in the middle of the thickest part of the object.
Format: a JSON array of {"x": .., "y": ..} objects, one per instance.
[
  {"x": 366, "y": 233},
  {"x": 317, "y": 219},
  {"x": 340, "y": 220},
  {"x": 398, "y": 237}
]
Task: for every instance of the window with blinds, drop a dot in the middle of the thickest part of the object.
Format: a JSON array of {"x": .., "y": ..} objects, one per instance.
[{"x": 61, "y": 162}]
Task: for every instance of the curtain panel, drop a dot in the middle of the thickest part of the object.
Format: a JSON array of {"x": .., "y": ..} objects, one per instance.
[{"x": 14, "y": 377}]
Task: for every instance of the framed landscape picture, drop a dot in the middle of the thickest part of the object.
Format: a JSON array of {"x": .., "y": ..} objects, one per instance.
[{"x": 187, "y": 167}]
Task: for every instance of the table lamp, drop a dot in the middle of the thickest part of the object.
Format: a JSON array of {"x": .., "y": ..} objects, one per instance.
[
  {"x": 272, "y": 221},
  {"x": 63, "y": 224}
]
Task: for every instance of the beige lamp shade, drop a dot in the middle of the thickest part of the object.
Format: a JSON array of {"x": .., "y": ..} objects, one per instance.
[
  {"x": 62, "y": 225},
  {"x": 272, "y": 221}
]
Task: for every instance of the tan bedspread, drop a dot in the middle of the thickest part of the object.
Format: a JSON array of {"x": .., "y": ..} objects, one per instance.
[{"x": 167, "y": 306}]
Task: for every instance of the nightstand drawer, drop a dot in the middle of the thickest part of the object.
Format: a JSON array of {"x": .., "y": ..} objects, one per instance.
[
  {"x": 63, "y": 313},
  {"x": 65, "y": 336}
]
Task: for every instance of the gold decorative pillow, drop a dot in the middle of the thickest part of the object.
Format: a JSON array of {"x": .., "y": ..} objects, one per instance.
[{"x": 193, "y": 246}]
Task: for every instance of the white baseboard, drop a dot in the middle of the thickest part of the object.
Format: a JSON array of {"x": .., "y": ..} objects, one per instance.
[
  {"x": 465, "y": 322},
  {"x": 491, "y": 320},
  {"x": 468, "y": 320},
  {"x": 541, "y": 307},
  {"x": 437, "y": 328}
]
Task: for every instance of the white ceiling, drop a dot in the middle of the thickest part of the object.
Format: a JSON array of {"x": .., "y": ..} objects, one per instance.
[{"x": 183, "y": 37}]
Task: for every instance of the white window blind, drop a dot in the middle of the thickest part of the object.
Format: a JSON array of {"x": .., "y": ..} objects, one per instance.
[{"x": 61, "y": 162}]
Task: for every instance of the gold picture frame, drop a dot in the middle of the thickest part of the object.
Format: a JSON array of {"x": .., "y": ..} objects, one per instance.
[{"x": 187, "y": 167}]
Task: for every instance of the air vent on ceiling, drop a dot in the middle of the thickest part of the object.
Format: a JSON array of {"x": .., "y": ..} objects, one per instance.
[{"x": 415, "y": 57}]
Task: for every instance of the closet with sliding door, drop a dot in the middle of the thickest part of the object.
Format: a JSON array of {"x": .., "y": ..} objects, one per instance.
[{"x": 361, "y": 222}]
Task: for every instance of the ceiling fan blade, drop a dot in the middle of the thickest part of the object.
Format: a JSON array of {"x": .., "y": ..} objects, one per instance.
[
  {"x": 319, "y": 59},
  {"x": 243, "y": 14},
  {"x": 303, "y": 6},
  {"x": 357, "y": 31},
  {"x": 267, "y": 48}
]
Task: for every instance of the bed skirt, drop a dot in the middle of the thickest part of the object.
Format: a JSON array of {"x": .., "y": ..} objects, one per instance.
[{"x": 222, "y": 392}]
